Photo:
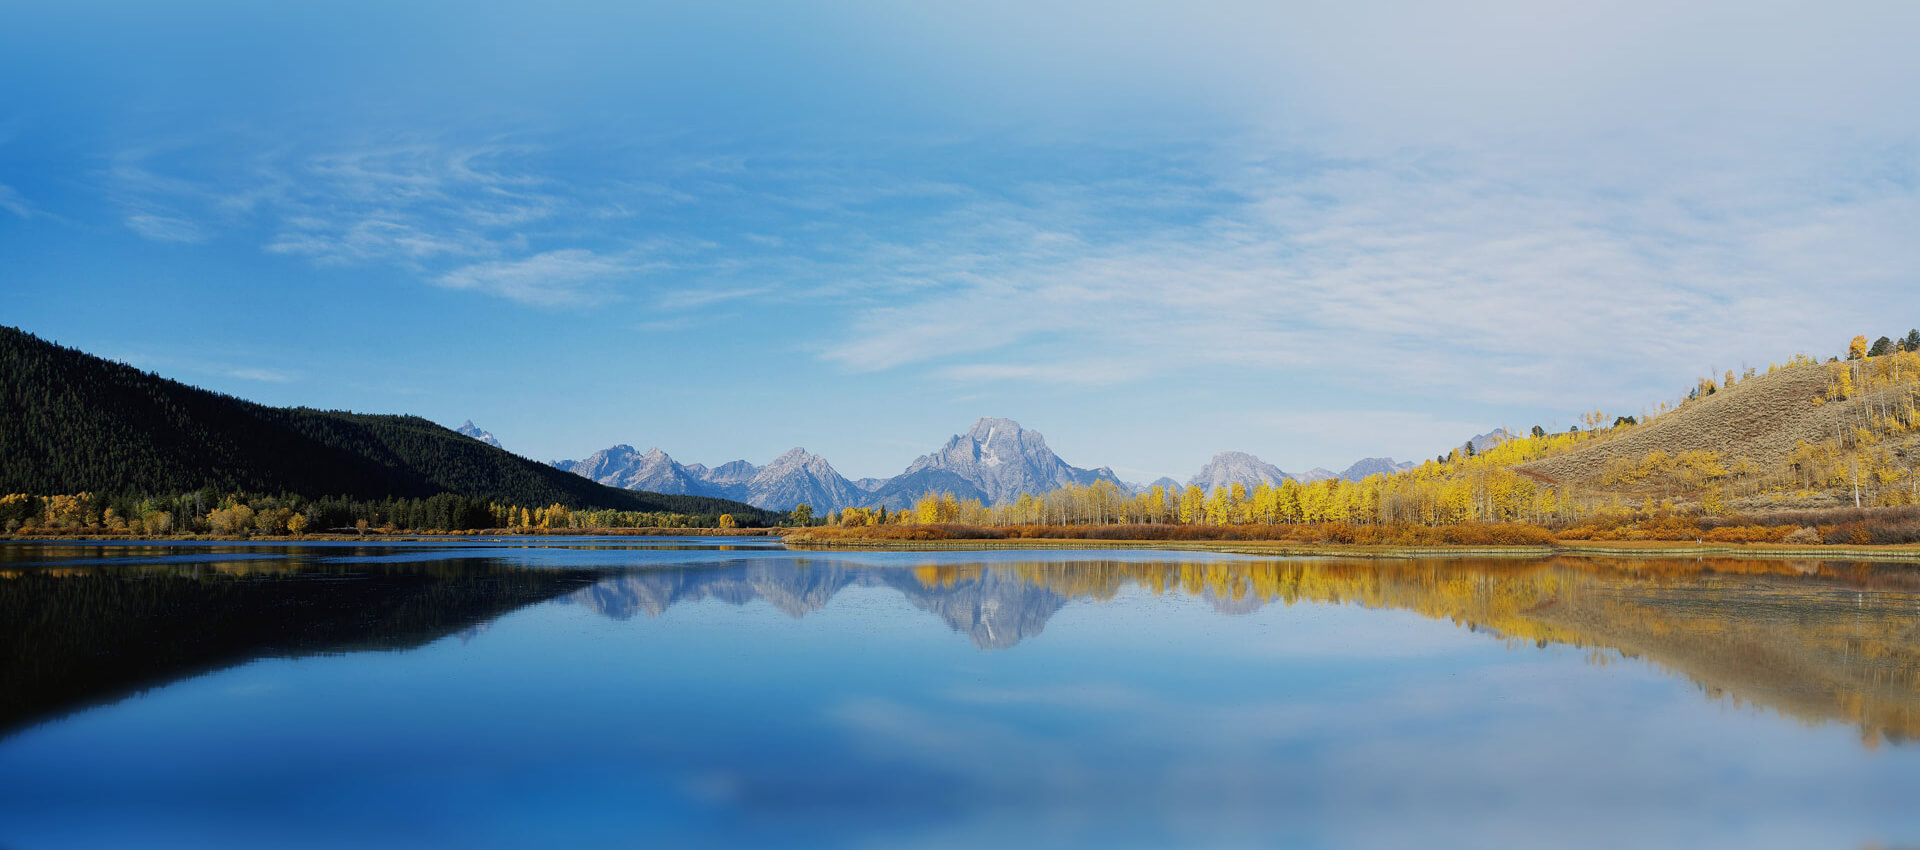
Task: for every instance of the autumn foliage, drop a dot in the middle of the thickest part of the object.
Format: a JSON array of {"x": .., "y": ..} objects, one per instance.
[{"x": 1462, "y": 534}]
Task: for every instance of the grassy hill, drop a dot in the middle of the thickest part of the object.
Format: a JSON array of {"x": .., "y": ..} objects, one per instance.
[
  {"x": 1761, "y": 419},
  {"x": 1798, "y": 437},
  {"x": 74, "y": 422}
]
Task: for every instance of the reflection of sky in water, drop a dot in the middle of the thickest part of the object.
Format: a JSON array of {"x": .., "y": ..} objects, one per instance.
[{"x": 1142, "y": 720}]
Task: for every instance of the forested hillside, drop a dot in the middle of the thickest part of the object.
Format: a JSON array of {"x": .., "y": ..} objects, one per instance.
[{"x": 72, "y": 422}]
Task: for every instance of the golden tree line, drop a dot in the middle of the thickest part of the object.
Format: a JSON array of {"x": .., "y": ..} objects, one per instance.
[{"x": 1464, "y": 487}]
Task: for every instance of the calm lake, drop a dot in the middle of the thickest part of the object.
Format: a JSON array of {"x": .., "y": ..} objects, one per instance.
[{"x": 702, "y": 693}]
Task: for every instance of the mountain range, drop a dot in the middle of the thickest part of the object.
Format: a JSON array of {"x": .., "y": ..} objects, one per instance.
[{"x": 994, "y": 461}]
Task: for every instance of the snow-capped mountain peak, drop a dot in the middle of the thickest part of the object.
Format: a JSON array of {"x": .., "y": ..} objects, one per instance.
[{"x": 472, "y": 430}]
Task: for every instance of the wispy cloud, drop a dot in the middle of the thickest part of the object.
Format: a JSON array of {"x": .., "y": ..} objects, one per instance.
[
  {"x": 1086, "y": 372},
  {"x": 13, "y": 202},
  {"x": 459, "y": 215},
  {"x": 166, "y": 228},
  {"x": 694, "y": 298},
  {"x": 1460, "y": 271},
  {"x": 552, "y": 279},
  {"x": 271, "y": 376},
  {"x": 1484, "y": 270}
]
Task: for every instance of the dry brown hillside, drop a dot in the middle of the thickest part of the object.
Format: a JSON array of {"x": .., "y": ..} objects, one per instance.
[{"x": 1760, "y": 421}]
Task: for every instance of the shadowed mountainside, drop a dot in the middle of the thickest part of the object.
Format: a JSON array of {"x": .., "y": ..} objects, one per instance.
[{"x": 75, "y": 422}]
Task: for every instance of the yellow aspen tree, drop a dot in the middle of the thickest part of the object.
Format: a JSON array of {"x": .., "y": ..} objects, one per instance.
[
  {"x": 1193, "y": 505},
  {"x": 1290, "y": 507}
]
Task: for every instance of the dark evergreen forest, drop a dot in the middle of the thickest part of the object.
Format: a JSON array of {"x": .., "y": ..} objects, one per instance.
[{"x": 72, "y": 422}]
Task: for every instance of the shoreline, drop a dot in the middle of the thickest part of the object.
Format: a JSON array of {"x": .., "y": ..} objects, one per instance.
[
  {"x": 397, "y": 536},
  {"x": 1610, "y": 549},
  {"x": 796, "y": 540}
]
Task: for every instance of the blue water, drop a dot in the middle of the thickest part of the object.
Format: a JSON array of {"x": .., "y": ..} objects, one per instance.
[{"x": 696, "y": 697}]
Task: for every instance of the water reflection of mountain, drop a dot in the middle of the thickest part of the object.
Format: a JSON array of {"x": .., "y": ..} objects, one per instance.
[
  {"x": 1821, "y": 642},
  {"x": 994, "y": 608},
  {"x": 1801, "y": 638}
]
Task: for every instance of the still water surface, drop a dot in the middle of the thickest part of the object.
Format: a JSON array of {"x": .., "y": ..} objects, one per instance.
[{"x": 680, "y": 693}]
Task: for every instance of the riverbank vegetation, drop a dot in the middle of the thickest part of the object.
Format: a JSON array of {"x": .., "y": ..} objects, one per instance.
[{"x": 241, "y": 515}]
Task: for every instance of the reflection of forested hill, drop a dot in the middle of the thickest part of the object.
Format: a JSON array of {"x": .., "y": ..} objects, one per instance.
[{"x": 76, "y": 636}]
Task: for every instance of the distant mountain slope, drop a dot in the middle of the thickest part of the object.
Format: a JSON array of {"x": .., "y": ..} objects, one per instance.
[
  {"x": 794, "y": 478},
  {"x": 1373, "y": 466},
  {"x": 801, "y": 478},
  {"x": 1230, "y": 468},
  {"x": 623, "y": 466},
  {"x": 901, "y": 491},
  {"x": 76, "y": 422},
  {"x": 730, "y": 473},
  {"x": 996, "y": 460},
  {"x": 1482, "y": 442}
]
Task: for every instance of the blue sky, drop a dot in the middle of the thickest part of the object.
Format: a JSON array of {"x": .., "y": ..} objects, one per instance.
[{"x": 1309, "y": 231}]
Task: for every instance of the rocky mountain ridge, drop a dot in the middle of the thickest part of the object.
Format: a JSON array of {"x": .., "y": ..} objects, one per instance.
[
  {"x": 995, "y": 461},
  {"x": 1230, "y": 468}
]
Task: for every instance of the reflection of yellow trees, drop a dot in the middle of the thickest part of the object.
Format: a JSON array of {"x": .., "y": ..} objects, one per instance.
[
  {"x": 946, "y": 575},
  {"x": 1793, "y": 636}
]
